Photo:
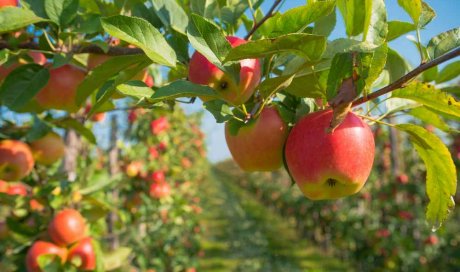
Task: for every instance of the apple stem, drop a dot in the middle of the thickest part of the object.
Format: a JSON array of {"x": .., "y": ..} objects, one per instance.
[{"x": 407, "y": 77}]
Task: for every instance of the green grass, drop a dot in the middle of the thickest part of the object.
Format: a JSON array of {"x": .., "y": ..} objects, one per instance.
[{"x": 240, "y": 234}]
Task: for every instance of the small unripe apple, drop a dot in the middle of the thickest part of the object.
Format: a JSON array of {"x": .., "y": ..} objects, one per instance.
[
  {"x": 201, "y": 71},
  {"x": 159, "y": 125},
  {"x": 67, "y": 227},
  {"x": 258, "y": 146},
  {"x": 61, "y": 90},
  {"x": 84, "y": 250},
  {"x": 48, "y": 149},
  {"x": 133, "y": 169},
  {"x": 16, "y": 160},
  {"x": 39, "y": 248},
  {"x": 330, "y": 165}
]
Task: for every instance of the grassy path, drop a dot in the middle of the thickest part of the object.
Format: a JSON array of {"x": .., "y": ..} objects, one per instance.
[{"x": 240, "y": 234}]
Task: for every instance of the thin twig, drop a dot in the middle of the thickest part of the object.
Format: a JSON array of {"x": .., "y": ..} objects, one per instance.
[
  {"x": 404, "y": 79},
  {"x": 268, "y": 15}
]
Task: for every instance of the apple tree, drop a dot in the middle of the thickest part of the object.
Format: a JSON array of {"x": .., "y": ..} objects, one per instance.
[{"x": 288, "y": 93}]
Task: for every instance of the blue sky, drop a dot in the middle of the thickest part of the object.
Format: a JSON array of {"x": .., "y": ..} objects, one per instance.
[{"x": 446, "y": 19}]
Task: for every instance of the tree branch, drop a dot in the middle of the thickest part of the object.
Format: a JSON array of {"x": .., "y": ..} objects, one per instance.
[
  {"x": 94, "y": 49},
  {"x": 258, "y": 24},
  {"x": 404, "y": 79}
]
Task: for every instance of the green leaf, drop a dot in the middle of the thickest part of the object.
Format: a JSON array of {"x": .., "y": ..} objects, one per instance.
[
  {"x": 141, "y": 11},
  {"x": 117, "y": 258},
  {"x": 342, "y": 67},
  {"x": 311, "y": 85},
  {"x": 12, "y": 18},
  {"x": 61, "y": 12},
  {"x": 325, "y": 25},
  {"x": 103, "y": 72},
  {"x": 413, "y": 8},
  {"x": 354, "y": 15},
  {"x": 183, "y": 88},
  {"x": 171, "y": 14},
  {"x": 375, "y": 23},
  {"x": 141, "y": 33},
  {"x": 49, "y": 262},
  {"x": 297, "y": 19},
  {"x": 396, "y": 65},
  {"x": 271, "y": 86},
  {"x": 430, "y": 74},
  {"x": 307, "y": 45},
  {"x": 429, "y": 96},
  {"x": 136, "y": 89},
  {"x": 37, "y": 6},
  {"x": 377, "y": 65},
  {"x": 398, "y": 28},
  {"x": 22, "y": 84},
  {"x": 441, "y": 178},
  {"x": 443, "y": 43},
  {"x": 451, "y": 71},
  {"x": 208, "y": 39},
  {"x": 70, "y": 123},
  {"x": 428, "y": 14},
  {"x": 219, "y": 109},
  {"x": 38, "y": 130},
  {"x": 429, "y": 117}
]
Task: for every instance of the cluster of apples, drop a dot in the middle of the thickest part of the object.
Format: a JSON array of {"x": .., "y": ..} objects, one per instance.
[
  {"x": 325, "y": 165},
  {"x": 69, "y": 242},
  {"x": 17, "y": 158}
]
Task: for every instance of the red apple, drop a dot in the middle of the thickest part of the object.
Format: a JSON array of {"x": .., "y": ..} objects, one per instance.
[
  {"x": 159, "y": 125},
  {"x": 162, "y": 146},
  {"x": 38, "y": 58},
  {"x": 4, "y": 3},
  {"x": 432, "y": 240},
  {"x": 258, "y": 146},
  {"x": 149, "y": 81},
  {"x": 403, "y": 178},
  {"x": 39, "y": 248},
  {"x": 159, "y": 190},
  {"x": 48, "y": 149},
  {"x": 201, "y": 71},
  {"x": 67, "y": 227},
  {"x": 84, "y": 250},
  {"x": 330, "y": 165},
  {"x": 61, "y": 90},
  {"x": 97, "y": 117},
  {"x": 17, "y": 189},
  {"x": 16, "y": 160},
  {"x": 153, "y": 152},
  {"x": 133, "y": 169},
  {"x": 158, "y": 176},
  {"x": 4, "y": 186}
]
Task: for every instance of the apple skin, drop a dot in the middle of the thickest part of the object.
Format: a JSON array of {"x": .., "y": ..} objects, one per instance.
[
  {"x": 37, "y": 57},
  {"x": 67, "y": 227},
  {"x": 330, "y": 165},
  {"x": 4, "y": 3},
  {"x": 84, "y": 250},
  {"x": 17, "y": 189},
  {"x": 16, "y": 160},
  {"x": 39, "y": 248},
  {"x": 259, "y": 145},
  {"x": 61, "y": 90},
  {"x": 133, "y": 169},
  {"x": 48, "y": 149},
  {"x": 159, "y": 125},
  {"x": 160, "y": 190},
  {"x": 203, "y": 72},
  {"x": 158, "y": 176}
]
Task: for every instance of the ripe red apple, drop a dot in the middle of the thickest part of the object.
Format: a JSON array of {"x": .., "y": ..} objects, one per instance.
[
  {"x": 432, "y": 240},
  {"x": 403, "y": 178},
  {"x": 159, "y": 190},
  {"x": 4, "y": 3},
  {"x": 48, "y": 149},
  {"x": 162, "y": 146},
  {"x": 330, "y": 165},
  {"x": 67, "y": 227},
  {"x": 85, "y": 251},
  {"x": 61, "y": 90},
  {"x": 39, "y": 248},
  {"x": 153, "y": 152},
  {"x": 16, "y": 160},
  {"x": 17, "y": 189},
  {"x": 158, "y": 176},
  {"x": 159, "y": 125},
  {"x": 149, "y": 81},
  {"x": 201, "y": 71},
  {"x": 258, "y": 146},
  {"x": 186, "y": 163},
  {"x": 4, "y": 186}
]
